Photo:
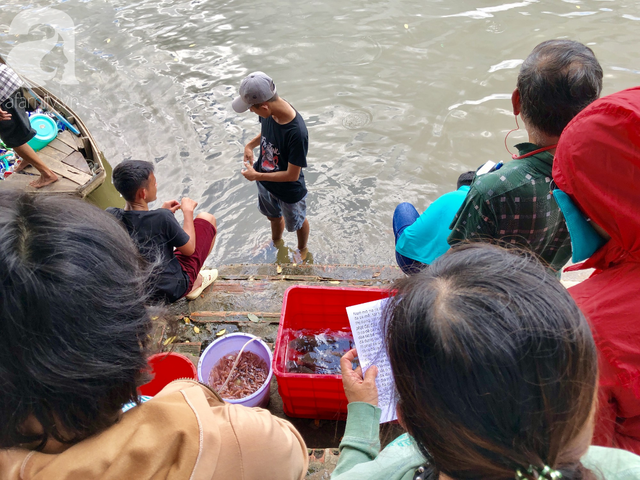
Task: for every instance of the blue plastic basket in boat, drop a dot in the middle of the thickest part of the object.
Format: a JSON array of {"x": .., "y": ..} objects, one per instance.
[{"x": 46, "y": 130}]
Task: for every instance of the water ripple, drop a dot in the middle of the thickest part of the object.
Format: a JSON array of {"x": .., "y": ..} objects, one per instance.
[{"x": 399, "y": 98}]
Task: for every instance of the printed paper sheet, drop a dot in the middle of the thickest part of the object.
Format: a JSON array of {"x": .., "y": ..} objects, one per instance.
[{"x": 368, "y": 335}]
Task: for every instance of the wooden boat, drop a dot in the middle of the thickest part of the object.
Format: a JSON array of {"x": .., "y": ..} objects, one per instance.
[{"x": 76, "y": 159}]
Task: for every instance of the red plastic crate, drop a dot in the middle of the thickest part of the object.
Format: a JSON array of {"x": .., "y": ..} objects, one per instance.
[{"x": 311, "y": 395}]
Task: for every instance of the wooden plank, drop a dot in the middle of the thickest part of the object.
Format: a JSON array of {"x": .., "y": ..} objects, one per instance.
[
  {"x": 67, "y": 171},
  {"x": 200, "y": 316},
  {"x": 18, "y": 181},
  {"x": 292, "y": 278},
  {"x": 51, "y": 152},
  {"x": 191, "y": 348},
  {"x": 68, "y": 139},
  {"x": 239, "y": 321},
  {"x": 77, "y": 160},
  {"x": 61, "y": 146},
  {"x": 383, "y": 273},
  {"x": 231, "y": 317},
  {"x": 80, "y": 142}
]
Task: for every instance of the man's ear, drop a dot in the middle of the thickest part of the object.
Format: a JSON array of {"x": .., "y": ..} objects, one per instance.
[
  {"x": 515, "y": 101},
  {"x": 141, "y": 194}
]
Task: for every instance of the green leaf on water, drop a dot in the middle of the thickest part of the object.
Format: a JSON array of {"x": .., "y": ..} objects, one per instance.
[{"x": 253, "y": 318}]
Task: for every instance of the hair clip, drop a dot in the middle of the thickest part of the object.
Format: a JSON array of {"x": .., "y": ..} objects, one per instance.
[
  {"x": 545, "y": 473},
  {"x": 549, "y": 473}
]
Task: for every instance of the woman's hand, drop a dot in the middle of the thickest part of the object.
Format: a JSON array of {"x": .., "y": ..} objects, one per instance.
[{"x": 356, "y": 388}]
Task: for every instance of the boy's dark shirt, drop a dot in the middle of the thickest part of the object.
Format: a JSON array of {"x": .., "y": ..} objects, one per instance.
[
  {"x": 279, "y": 146},
  {"x": 157, "y": 233}
]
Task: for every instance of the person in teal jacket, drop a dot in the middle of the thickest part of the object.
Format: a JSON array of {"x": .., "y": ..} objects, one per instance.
[
  {"x": 420, "y": 239},
  {"x": 495, "y": 370}
]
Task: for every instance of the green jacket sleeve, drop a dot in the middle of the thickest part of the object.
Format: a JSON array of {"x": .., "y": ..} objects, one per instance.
[
  {"x": 475, "y": 221},
  {"x": 361, "y": 441}
]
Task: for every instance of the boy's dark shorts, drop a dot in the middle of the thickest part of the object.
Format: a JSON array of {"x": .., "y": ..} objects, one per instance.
[
  {"x": 192, "y": 264},
  {"x": 17, "y": 131}
]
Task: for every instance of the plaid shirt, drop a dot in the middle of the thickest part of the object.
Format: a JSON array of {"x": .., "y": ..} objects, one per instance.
[
  {"x": 9, "y": 82},
  {"x": 514, "y": 204}
]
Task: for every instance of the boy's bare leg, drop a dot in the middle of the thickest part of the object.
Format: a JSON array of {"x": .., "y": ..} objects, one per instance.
[
  {"x": 29, "y": 157},
  {"x": 277, "y": 228},
  {"x": 303, "y": 235},
  {"x": 212, "y": 220}
]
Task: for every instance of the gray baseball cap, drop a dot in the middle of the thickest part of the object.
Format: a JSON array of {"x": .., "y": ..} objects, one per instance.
[{"x": 256, "y": 88}]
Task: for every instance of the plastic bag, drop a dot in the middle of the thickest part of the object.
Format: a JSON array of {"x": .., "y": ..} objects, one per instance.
[{"x": 317, "y": 352}]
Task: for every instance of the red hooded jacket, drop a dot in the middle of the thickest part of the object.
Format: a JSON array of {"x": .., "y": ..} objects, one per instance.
[{"x": 597, "y": 163}]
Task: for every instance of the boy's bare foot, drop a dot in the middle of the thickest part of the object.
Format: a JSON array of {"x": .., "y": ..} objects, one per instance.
[
  {"x": 44, "y": 180},
  {"x": 300, "y": 256},
  {"x": 197, "y": 283},
  {"x": 205, "y": 278}
]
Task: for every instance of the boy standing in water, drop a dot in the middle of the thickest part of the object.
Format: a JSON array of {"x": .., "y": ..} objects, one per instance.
[
  {"x": 284, "y": 142},
  {"x": 15, "y": 128}
]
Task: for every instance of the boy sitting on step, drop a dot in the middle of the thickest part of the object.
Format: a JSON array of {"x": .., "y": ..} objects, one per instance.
[{"x": 157, "y": 232}]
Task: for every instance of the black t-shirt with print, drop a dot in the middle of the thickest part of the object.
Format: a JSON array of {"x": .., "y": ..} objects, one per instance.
[
  {"x": 157, "y": 233},
  {"x": 279, "y": 146}
]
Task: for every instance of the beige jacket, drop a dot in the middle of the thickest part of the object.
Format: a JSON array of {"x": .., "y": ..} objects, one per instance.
[{"x": 186, "y": 432}]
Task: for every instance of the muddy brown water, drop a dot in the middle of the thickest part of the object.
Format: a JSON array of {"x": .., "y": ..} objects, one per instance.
[{"x": 399, "y": 97}]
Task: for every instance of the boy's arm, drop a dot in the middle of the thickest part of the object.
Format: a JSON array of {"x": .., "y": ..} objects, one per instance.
[
  {"x": 4, "y": 115},
  {"x": 291, "y": 174},
  {"x": 188, "y": 206},
  {"x": 297, "y": 154},
  {"x": 248, "y": 149}
]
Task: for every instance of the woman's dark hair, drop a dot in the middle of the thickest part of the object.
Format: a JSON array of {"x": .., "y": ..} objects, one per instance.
[
  {"x": 495, "y": 366},
  {"x": 557, "y": 80},
  {"x": 73, "y": 322},
  {"x": 130, "y": 176}
]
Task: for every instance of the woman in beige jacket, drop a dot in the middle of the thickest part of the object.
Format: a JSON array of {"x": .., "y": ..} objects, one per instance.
[{"x": 73, "y": 330}]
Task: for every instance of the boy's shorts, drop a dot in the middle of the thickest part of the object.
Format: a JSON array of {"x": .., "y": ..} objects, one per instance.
[
  {"x": 17, "y": 131},
  {"x": 192, "y": 264},
  {"x": 272, "y": 207}
]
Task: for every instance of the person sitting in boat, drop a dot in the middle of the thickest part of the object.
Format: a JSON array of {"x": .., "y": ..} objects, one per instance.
[
  {"x": 157, "y": 232},
  {"x": 15, "y": 128},
  {"x": 74, "y": 334},
  {"x": 597, "y": 170},
  {"x": 513, "y": 205},
  {"x": 496, "y": 373},
  {"x": 420, "y": 239}
]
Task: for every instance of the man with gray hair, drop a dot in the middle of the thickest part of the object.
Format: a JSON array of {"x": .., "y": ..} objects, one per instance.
[
  {"x": 513, "y": 204},
  {"x": 283, "y": 143}
]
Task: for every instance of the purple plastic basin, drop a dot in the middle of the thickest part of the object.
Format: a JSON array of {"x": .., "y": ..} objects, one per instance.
[{"x": 232, "y": 343}]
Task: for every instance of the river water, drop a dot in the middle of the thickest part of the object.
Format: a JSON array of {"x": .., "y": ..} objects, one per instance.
[{"x": 399, "y": 97}]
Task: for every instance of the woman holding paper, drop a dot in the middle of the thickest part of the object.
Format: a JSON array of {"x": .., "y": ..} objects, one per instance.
[{"x": 495, "y": 370}]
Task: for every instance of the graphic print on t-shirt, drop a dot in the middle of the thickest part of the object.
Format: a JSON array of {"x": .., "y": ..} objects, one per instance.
[{"x": 270, "y": 156}]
